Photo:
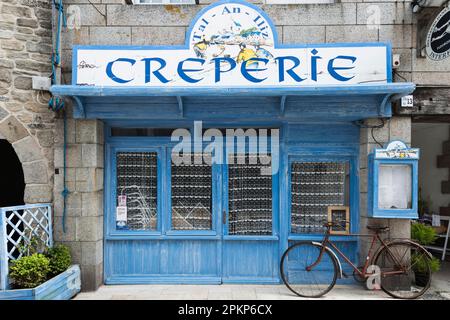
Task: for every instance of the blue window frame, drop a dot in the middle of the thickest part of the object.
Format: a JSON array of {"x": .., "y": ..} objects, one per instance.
[
  {"x": 374, "y": 210},
  {"x": 214, "y": 201},
  {"x": 163, "y": 146},
  {"x": 274, "y": 184},
  {"x": 113, "y": 151},
  {"x": 353, "y": 190}
]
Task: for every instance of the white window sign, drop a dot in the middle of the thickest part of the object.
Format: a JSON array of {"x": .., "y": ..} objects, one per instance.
[
  {"x": 121, "y": 216},
  {"x": 395, "y": 187}
]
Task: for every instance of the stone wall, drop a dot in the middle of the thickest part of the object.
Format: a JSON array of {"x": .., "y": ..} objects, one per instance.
[
  {"x": 397, "y": 128},
  {"x": 84, "y": 204},
  {"x": 25, "y": 121},
  {"x": 110, "y": 22}
]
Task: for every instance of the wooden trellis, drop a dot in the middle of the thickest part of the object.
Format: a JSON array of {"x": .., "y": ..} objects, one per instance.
[{"x": 19, "y": 227}]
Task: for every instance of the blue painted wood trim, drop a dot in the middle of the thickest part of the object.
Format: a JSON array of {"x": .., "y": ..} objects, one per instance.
[
  {"x": 319, "y": 237},
  {"x": 180, "y": 105},
  {"x": 372, "y": 208},
  {"x": 62, "y": 287},
  {"x": 174, "y": 236},
  {"x": 3, "y": 252},
  {"x": 251, "y": 238},
  {"x": 399, "y": 88},
  {"x": 282, "y": 104},
  {"x": 162, "y": 279},
  {"x": 352, "y": 159},
  {"x": 248, "y": 280},
  {"x": 79, "y": 110},
  {"x": 111, "y": 185}
]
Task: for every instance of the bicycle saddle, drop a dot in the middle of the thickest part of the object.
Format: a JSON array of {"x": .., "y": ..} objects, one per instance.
[{"x": 378, "y": 228}]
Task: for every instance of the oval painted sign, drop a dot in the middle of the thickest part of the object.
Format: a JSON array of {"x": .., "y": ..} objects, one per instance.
[{"x": 438, "y": 38}]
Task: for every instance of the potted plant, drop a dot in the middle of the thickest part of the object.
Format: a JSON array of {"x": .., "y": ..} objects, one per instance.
[
  {"x": 43, "y": 274},
  {"x": 424, "y": 235}
]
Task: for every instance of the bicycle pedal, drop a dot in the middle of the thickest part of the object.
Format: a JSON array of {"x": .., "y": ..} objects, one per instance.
[{"x": 345, "y": 275}]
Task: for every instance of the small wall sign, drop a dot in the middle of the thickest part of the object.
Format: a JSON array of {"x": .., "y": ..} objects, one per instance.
[
  {"x": 438, "y": 38},
  {"x": 397, "y": 150},
  {"x": 408, "y": 101},
  {"x": 121, "y": 217},
  {"x": 338, "y": 216}
]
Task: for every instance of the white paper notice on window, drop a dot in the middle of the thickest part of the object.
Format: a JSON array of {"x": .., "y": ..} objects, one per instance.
[
  {"x": 436, "y": 220},
  {"x": 121, "y": 215},
  {"x": 394, "y": 187}
]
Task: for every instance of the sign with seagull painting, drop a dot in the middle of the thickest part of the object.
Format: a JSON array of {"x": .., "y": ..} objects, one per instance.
[{"x": 232, "y": 43}]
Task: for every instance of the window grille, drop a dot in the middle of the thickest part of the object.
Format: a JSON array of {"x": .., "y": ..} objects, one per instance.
[
  {"x": 315, "y": 186},
  {"x": 191, "y": 196},
  {"x": 249, "y": 197},
  {"x": 137, "y": 180}
]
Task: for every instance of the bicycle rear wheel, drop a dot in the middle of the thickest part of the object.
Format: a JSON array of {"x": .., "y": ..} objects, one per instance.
[
  {"x": 311, "y": 282},
  {"x": 405, "y": 269}
]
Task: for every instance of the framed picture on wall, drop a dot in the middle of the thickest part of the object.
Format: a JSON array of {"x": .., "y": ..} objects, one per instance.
[{"x": 338, "y": 216}]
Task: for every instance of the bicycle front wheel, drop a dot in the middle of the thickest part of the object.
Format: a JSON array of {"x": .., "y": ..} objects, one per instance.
[
  {"x": 308, "y": 270},
  {"x": 405, "y": 269}
]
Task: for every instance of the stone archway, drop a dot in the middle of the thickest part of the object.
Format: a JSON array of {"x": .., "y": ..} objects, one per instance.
[{"x": 34, "y": 164}]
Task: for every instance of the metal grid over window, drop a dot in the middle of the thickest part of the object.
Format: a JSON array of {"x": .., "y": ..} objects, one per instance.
[
  {"x": 191, "y": 196},
  {"x": 314, "y": 187},
  {"x": 249, "y": 197},
  {"x": 137, "y": 180}
]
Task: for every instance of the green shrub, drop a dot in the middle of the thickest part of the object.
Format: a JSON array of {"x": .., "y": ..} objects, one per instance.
[
  {"x": 420, "y": 261},
  {"x": 29, "y": 271},
  {"x": 423, "y": 234},
  {"x": 60, "y": 259}
]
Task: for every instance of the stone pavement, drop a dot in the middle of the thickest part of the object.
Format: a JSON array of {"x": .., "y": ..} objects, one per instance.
[
  {"x": 234, "y": 292},
  {"x": 440, "y": 290}
]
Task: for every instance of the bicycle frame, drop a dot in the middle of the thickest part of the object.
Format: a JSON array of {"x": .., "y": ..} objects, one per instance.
[{"x": 326, "y": 243}]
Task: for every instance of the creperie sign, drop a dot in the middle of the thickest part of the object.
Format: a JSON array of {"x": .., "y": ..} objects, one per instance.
[{"x": 231, "y": 44}]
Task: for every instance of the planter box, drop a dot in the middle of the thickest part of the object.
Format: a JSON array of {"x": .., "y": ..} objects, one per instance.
[{"x": 62, "y": 287}]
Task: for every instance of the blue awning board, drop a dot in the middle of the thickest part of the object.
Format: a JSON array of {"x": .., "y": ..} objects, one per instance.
[{"x": 340, "y": 103}]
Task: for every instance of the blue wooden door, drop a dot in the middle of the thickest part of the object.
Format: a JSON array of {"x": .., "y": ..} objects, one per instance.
[
  {"x": 188, "y": 223},
  {"x": 250, "y": 204},
  {"x": 162, "y": 221}
]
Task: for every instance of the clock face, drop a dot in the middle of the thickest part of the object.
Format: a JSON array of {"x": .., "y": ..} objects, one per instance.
[{"x": 227, "y": 29}]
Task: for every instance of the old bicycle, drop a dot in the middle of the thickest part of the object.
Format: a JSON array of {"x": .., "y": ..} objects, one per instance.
[{"x": 310, "y": 268}]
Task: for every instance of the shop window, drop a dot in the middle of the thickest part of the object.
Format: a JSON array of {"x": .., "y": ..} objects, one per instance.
[
  {"x": 137, "y": 190},
  {"x": 191, "y": 196},
  {"x": 249, "y": 196},
  {"x": 316, "y": 187}
]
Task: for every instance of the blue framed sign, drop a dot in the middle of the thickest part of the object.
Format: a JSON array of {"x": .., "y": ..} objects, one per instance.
[
  {"x": 232, "y": 44},
  {"x": 393, "y": 182}
]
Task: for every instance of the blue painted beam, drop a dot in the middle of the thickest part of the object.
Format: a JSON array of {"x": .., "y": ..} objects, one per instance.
[
  {"x": 282, "y": 104},
  {"x": 79, "y": 111},
  {"x": 180, "y": 105},
  {"x": 399, "y": 89}
]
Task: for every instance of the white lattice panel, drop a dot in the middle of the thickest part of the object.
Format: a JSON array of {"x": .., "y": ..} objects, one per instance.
[{"x": 21, "y": 226}]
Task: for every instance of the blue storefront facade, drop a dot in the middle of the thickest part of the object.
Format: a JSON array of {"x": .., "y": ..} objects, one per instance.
[{"x": 221, "y": 221}]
